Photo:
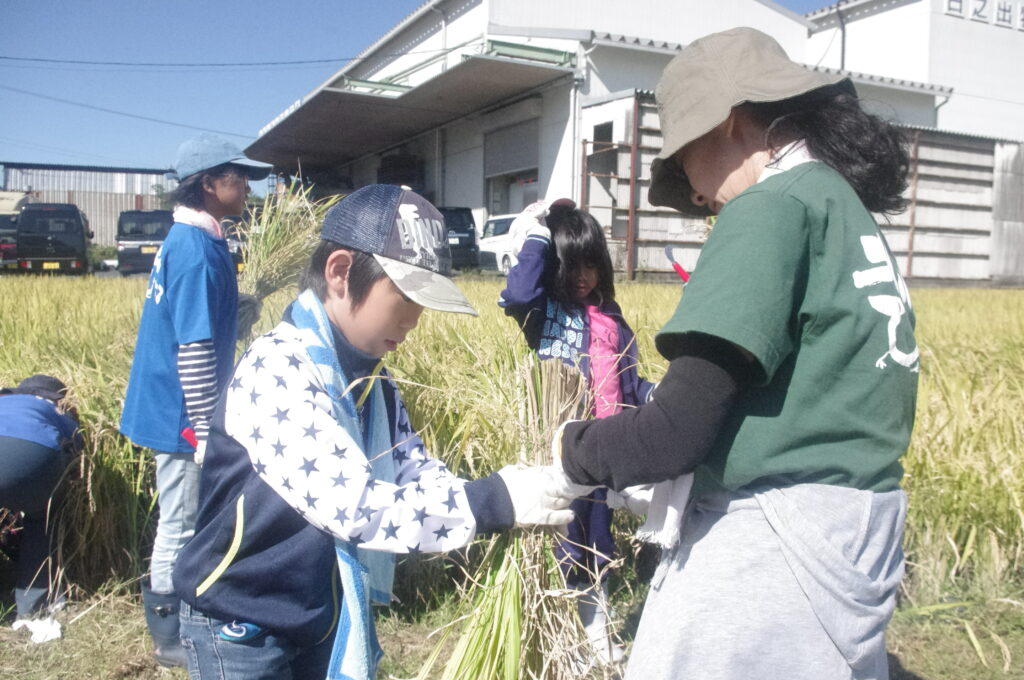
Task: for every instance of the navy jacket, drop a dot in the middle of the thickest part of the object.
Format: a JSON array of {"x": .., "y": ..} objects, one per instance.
[
  {"x": 281, "y": 480},
  {"x": 35, "y": 419}
]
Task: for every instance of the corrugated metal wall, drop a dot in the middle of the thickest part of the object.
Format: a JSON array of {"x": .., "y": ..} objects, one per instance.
[
  {"x": 101, "y": 195},
  {"x": 1007, "y": 258},
  {"x": 965, "y": 223},
  {"x": 946, "y": 233}
]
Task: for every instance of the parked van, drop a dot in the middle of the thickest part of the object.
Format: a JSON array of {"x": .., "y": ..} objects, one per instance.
[
  {"x": 461, "y": 237},
  {"x": 53, "y": 237},
  {"x": 139, "y": 235},
  {"x": 496, "y": 244},
  {"x": 11, "y": 203},
  {"x": 8, "y": 244}
]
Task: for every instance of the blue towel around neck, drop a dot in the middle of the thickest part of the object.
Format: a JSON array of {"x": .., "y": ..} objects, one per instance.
[{"x": 367, "y": 576}]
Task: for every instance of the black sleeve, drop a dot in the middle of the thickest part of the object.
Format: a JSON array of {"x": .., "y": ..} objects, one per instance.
[
  {"x": 491, "y": 504},
  {"x": 671, "y": 434}
]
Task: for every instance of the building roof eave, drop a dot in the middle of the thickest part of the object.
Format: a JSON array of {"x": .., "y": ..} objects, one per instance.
[
  {"x": 392, "y": 32},
  {"x": 887, "y": 82},
  {"x": 82, "y": 168},
  {"x": 957, "y": 133},
  {"x": 335, "y": 126}
]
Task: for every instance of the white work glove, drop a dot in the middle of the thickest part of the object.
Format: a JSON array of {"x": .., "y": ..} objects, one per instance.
[
  {"x": 541, "y": 495},
  {"x": 636, "y": 499},
  {"x": 200, "y": 455},
  {"x": 530, "y": 221}
]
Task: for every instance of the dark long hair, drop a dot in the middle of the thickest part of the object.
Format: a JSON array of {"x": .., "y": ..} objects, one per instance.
[
  {"x": 189, "y": 191},
  {"x": 579, "y": 241},
  {"x": 866, "y": 150}
]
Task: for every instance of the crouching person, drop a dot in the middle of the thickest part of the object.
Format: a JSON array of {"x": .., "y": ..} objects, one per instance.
[
  {"x": 39, "y": 438},
  {"x": 314, "y": 479}
]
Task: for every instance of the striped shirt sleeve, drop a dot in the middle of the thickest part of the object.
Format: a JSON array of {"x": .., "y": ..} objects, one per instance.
[{"x": 197, "y": 370}]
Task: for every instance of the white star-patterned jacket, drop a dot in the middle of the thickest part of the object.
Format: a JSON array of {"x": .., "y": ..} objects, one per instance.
[{"x": 282, "y": 478}]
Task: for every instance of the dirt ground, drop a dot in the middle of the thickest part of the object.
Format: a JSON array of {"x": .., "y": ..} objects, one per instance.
[{"x": 105, "y": 638}]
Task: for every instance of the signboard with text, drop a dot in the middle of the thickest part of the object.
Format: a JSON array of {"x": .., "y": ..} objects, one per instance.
[{"x": 1003, "y": 13}]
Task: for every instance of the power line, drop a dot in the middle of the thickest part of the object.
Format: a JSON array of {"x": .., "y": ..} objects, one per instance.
[
  {"x": 158, "y": 64},
  {"x": 63, "y": 151},
  {"x": 64, "y": 68},
  {"x": 188, "y": 64},
  {"x": 121, "y": 113}
]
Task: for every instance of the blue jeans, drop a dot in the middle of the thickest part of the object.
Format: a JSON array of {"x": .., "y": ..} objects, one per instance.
[
  {"x": 265, "y": 656},
  {"x": 177, "y": 486}
]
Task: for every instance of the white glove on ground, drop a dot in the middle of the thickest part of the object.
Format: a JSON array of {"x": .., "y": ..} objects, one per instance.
[
  {"x": 636, "y": 499},
  {"x": 541, "y": 495},
  {"x": 42, "y": 629}
]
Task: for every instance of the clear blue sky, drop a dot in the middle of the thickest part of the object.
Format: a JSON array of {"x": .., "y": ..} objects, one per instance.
[{"x": 237, "y": 100}]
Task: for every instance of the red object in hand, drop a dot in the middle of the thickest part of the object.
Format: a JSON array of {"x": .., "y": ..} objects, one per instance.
[
  {"x": 675, "y": 265},
  {"x": 190, "y": 436}
]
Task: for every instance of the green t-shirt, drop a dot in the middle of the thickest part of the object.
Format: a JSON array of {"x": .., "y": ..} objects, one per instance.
[{"x": 797, "y": 272}]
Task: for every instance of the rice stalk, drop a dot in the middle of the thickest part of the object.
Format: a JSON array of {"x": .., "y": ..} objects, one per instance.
[
  {"x": 518, "y": 620},
  {"x": 278, "y": 238}
]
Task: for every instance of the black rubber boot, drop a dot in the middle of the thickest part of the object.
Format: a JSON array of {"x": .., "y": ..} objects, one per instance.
[{"x": 162, "y": 621}]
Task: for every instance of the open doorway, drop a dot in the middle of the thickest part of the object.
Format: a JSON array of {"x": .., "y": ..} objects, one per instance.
[{"x": 512, "y": 192}]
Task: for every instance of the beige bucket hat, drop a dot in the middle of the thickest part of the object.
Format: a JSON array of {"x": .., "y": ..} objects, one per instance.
[{"x": 703, "y": 83}]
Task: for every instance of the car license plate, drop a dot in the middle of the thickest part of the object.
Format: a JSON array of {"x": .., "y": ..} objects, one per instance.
[
  {"x": 453, "y": 240},
  {"x": 147, "y": 250},
  {"x": 51, "y": 265}
]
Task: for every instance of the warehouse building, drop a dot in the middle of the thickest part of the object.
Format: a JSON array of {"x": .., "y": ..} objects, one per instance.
[{"x": 491, "y": 104}]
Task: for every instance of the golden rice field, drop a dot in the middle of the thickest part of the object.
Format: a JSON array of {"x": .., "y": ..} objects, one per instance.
[{"x": 965, "y": 533}]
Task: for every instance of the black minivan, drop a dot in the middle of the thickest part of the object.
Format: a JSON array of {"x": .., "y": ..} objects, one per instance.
[
  {"x": 461, "y": 237},
  {"x": 53, "y": 237},
  {"x": 139, "y": 235}
]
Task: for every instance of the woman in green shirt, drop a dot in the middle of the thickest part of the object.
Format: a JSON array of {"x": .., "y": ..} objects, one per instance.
[{"x": 792, "y": 379}]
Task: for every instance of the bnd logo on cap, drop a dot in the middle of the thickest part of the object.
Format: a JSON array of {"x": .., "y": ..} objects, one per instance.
[{"x": 419, "y": 235}]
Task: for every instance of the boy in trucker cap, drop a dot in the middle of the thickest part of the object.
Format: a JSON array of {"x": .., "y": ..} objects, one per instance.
[{"x": 314, "y": 478}]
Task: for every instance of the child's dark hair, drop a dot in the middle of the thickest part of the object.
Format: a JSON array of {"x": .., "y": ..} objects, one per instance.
[
  {"x": 189, "y": 191},
  {"x": 579, "y": 241},
  {"x": 867, "y": 151},
  {"x": 365, "y": 272}
]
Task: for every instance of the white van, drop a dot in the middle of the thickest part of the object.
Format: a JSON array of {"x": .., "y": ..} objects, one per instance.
[{"x": 496, "y": 244}]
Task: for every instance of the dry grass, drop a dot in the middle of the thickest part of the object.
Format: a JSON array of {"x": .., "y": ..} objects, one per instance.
[
  {"x": 104, "y": 638},
  {"x": 965, "y": 533}
]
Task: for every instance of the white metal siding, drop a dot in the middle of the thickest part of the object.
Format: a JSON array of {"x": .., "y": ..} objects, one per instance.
[
  {"x": 1008, "y": 215},
  {"x": 920, "y": 40},
  {"x": 511, "y": 149},
  {"x": 660, "y": 20},
  {"x": 52, "y": 179},
  {"x": 101, "y": 208}
]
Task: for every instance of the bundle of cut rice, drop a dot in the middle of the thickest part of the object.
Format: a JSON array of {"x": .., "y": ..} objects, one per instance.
[
  {"x": 277, "y": 240},
  {"x": 518, "y": 621}
]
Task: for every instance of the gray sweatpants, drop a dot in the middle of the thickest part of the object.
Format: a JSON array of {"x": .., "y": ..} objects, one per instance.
[{"x": 796, "y": 583}]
